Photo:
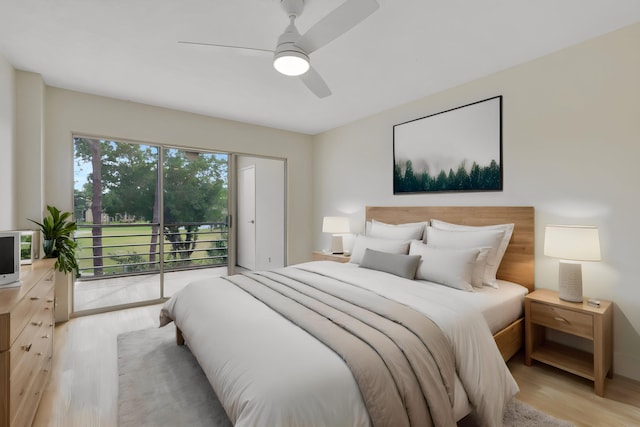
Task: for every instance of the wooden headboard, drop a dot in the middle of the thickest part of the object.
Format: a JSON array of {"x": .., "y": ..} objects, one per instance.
[{"x": 517, "y": 265}]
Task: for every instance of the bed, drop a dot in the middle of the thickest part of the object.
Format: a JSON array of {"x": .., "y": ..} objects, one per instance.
[
  {"x": 517, "y": 265},
  {"x": 272, "y": 368}
]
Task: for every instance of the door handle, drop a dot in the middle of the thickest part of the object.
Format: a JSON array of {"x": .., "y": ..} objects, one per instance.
[{"x": 252, "y": 222}]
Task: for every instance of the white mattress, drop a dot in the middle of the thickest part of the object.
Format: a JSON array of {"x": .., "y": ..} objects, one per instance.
[{"x": 500, "y": 307}]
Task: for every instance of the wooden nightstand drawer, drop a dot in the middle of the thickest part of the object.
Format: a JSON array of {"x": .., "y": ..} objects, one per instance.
[{"x": 573, "y": 322}]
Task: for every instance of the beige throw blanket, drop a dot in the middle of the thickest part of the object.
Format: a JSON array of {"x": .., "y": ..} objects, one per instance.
[{"x": 401, "y": 361}]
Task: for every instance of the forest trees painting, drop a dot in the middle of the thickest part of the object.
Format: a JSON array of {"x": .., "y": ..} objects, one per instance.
[{"x": 454, "y": 150}]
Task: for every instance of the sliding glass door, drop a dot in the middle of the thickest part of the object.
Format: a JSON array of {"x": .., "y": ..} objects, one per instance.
[
  {"x": 195, "y": 214},
  {"x": 150, "y": 219}
]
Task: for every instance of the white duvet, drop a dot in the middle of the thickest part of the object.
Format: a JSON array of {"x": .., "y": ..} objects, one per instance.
[{"x": 268, "y": 372}]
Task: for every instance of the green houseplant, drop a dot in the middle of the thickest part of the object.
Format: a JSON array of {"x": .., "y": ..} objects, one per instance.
[{"x": 58, "y": 242}]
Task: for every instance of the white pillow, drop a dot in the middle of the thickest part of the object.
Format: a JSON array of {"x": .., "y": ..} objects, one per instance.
[
  {"x": 447, "y": 266},
  {"x": 471, "y": 239},
  {"x": 392, "y": 246},
  {"x": 477, "y": 276},
  {"x": 408, "y": 231},
  {"x": 494, "y": 264}
]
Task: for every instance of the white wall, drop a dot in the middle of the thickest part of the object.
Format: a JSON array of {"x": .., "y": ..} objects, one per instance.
[
  {"x": 571, "y": 147},
  {"x": 68, "y": 112},
  {"x": 7, "y": 144}
]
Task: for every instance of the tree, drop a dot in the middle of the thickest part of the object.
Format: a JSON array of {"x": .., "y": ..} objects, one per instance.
[
  {"x": 474, "y": 176},
  {"x": 451, "y": 181},
  {"x": 124, "y": 180},
  {"x": 463, "y": 181},
  {"x": 194, "y": 192},
  {"x": 493, "y": 176},
  {"x": 410, "y": 180},
  {"x": 398, "y": 180},
  {"x": 441, "y": 181}
]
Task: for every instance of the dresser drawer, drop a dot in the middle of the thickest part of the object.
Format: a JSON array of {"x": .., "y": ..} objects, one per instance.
[
  {"x": 576, "y": 323},
  {"x": 36, "y": 337},
  {"x": 30, "y": 354},
  {"x": 29, "y": 306},
  {"x": 23, "y": 412}
]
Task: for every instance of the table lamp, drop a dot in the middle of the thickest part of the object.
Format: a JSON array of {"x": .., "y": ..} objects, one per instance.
[
  {"x": 336, "y": 225},
  {"x": 571, "y": 244}
]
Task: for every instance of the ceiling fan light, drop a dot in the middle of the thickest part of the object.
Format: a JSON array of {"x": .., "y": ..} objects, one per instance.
[{"x": 291, "y": 63}]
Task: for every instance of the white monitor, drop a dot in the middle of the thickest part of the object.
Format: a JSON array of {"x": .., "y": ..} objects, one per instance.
[{"x": 9, "y": 258}]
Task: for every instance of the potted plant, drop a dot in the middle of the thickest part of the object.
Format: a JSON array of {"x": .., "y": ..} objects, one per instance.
[{"x": 57, "y": 233}]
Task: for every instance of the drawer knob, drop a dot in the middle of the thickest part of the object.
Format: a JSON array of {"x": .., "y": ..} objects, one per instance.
[
  {"x": 49, "y": 300},
  {"x": 26, "y": 347},
  {"x": 36, "y": 323},
  {"x": 45, "y": 336},
  {"x": 560, "y": 319},
  {"x": 34, "y": 298},
  {"x": 38, "y": 354}
]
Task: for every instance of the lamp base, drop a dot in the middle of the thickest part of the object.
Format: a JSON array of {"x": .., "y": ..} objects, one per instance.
[
  {"x": 336, "y": 244},
  {"x": 570, "y": 281}
]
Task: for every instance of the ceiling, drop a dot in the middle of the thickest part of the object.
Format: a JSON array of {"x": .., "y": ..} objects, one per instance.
[{"x": 408, "y": 49}]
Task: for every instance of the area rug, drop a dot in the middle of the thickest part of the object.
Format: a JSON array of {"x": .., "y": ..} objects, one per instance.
[{"x": 161, "y": 384}]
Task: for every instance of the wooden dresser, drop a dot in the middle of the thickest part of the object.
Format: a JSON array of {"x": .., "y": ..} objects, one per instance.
[{"x": 26, "y": 343}]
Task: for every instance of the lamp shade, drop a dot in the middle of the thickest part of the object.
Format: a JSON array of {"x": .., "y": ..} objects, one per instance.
[
  {"x": 335, "y": 224},
  {"x": 572, "y": 242}
]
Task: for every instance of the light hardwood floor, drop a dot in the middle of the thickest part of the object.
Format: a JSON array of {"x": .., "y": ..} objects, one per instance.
[{"x": 83, "y": 389}]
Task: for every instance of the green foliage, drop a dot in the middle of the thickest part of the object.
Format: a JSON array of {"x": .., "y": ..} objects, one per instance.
[
  {"x": 478, "y": 178},
  {"x": 56, "y": 228},
  {"x": 218, "y": 249},
  {"x": 195, "y": 188},
  {"x": 131, "y": 262}
]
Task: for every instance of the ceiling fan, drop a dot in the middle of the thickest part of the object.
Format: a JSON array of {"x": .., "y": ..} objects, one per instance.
[{"x": 291, "y": 56}]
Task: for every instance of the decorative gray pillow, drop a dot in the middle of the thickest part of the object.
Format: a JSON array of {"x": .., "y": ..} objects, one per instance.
[{"x": 400, "y": 265}]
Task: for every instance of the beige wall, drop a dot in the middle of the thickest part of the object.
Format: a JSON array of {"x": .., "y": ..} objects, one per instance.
[
  {"x": 30, "y": 90},
  {"x": 571, "y": 146},
  {"x": 7, "y": 145}
]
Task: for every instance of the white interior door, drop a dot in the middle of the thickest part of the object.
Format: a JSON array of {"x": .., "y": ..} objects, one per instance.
[{"x": 246, "y": 248}]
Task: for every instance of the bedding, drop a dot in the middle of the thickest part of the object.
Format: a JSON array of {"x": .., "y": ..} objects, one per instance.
[
  {"x": 268, "y": 371},
  {"x": 491, "y": 239},
  {"x": 362, "y": 243},
  {"x": 499, "y": 306},
  {"x": 493, "y": 262},
  {"x": 408, "y": 231},
  {"x": 447, "y": 266},
  {"x": 398, "y": 264}
]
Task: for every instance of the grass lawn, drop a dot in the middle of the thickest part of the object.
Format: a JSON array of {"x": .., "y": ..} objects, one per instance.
[{"x": 132, "y": 243}]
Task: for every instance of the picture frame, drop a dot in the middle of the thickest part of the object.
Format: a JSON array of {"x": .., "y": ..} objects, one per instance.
[
  {"x": 29, "y": 246},
  {"x": 456, "y": 150}
]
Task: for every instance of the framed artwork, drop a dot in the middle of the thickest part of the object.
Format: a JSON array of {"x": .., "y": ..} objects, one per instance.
[{"x": 454, "y": 150}]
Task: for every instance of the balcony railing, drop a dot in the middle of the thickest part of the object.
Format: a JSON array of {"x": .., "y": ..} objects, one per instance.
[{"x": 134, "y": 248}]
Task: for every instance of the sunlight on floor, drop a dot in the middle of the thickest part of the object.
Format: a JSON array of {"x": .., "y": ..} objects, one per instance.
[{"x": 95, "y": 294}]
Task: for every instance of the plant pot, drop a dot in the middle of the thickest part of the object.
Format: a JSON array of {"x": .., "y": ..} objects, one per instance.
[{"x": 49, "y": 247}]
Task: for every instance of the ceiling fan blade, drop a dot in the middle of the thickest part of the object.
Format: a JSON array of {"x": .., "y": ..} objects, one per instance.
[
  {"x": 315, "y": 83},
  {"x": 336, "y": 23},
  {"x": 227, "y": 46}
]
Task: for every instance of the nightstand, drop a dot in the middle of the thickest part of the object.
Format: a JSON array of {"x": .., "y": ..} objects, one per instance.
[
  {"x": 328, "y": 256},
  {"x": 543, "y": 309}
]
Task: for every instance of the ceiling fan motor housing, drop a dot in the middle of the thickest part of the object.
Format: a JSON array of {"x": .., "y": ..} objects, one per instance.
[
  {"x": 297, "y": 60},
  {"x": 292, "y": 7}
]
